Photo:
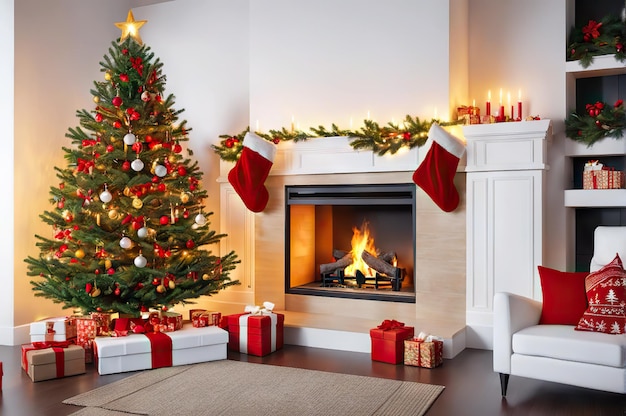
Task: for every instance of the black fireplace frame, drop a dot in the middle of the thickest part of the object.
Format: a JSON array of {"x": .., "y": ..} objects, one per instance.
[{"x": 403, "y": 194}]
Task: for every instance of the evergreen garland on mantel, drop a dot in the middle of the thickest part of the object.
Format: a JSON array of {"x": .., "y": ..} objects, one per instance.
[{"x": 389, "y": 138}]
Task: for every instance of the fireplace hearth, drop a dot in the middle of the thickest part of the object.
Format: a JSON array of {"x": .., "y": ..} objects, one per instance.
[{"x": 351, "y": 241}]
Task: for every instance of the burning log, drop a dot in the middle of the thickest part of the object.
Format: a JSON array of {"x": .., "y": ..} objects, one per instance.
[
  {"x": 379, "y": 265},
  {"x": 338, "y": 254},
  {"x": 389, "y": 257},
  {"x": 342, "y": 263}
]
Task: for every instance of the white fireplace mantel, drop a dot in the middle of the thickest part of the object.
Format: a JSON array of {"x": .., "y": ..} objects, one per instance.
[{"x": 506, "y": 165}]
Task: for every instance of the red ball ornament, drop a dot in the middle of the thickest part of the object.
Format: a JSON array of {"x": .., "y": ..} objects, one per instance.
[
  {"x": 135, "y": 116},
  {"x": 155, "y": 179},
  {"x": 137, "y": 147},
  {"x": 126, "y": 166},
  {"x": 148, "y": 138},
  {"x": 124, "y": 77},
  {"x": 192, "y": 187},
  {"x": 117, "y": 124},
  {"x": 117, "y": 291},
  {"x": 164, "y": 220},
  {"x": 182, "y": 171},
  {"x": 156, "y": 281},
  {"x": 97, "y": 271},
  {"x": 116, "y": 101},
  {"x": 110, "y": 148},
  {"x": 111, "y": 271},
  {"x": 185, "y": 214},
  {"x": 98, "y": 117},
  {"x": 190, "y": 244},
  {"x": 177, "y": 148},
  {"x": 161, "y": 187},
  {"x": 88, "y": 288}
]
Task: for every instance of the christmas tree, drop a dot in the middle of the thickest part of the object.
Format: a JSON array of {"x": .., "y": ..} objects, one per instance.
[{"x": 128, "y": 228}]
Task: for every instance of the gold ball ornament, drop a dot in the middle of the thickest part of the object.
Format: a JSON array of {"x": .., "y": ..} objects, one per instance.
[
  {"x": 184, "y": 197},
  {"x": 113, "y": 214},
  {"x": 107, "y": 76},
  {"x": 95, "y": 293},
  {"x": 107, "y": 264},
  {"x": 137, "y": 203},
  {"x": 205, "y": 277},
  {"x": 161, "y": 289},
  {"x": 80, "y": 253},
  {"x": 96, "y": 99},
  {"x": 126, "y": 191},
  {"x": 172, "y": 284}
]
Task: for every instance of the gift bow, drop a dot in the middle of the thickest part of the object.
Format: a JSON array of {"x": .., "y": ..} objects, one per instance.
[
  {"x": 267, "y": 308},
  {"x": 390, "y": 324},
  {"x": 51, "y": 344}
]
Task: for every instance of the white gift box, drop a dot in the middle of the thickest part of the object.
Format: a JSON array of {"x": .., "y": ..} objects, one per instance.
[
  {"x": 53, "y": 329},
  {"x": 133, "y": 352}
]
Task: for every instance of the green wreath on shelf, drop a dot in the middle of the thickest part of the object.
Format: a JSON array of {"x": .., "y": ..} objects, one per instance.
[
  {"x": 384, "y": 139},
  {"x": 605, "y": 37},
  {"x": 601, "y": 120}
]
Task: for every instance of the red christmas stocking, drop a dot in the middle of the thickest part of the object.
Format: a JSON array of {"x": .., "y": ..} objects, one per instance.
[
  {"x": 435, "y": 174},
  {"x": 249, "y": 173}
]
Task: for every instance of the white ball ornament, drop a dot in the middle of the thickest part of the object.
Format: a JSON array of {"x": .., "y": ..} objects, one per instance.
[
  {"x": 106, "y": 196},
  {"x": 200, "y": 219},
  {"x": 145, "y": 96},
  {"x": 126, "y": 242},
  {"x": 142, "y": 232},
  {"x": 130, "y": 139},
  {"x": 160, "y": 171},
  {"x": 140, "y": 261},
  {"x": 137, "y": 165}
]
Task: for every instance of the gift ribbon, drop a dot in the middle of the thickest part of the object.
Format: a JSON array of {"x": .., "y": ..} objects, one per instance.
[
  {"x": 244, "y": 327},
  {"x": 388, "y": 324},
  {"x": 161, "y": 349},
  {"x": 59, "y": 356},
  {"x": 56, "y": 347}
]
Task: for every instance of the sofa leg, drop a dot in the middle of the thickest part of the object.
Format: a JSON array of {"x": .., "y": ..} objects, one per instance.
[{"x": 504, "y": 382}]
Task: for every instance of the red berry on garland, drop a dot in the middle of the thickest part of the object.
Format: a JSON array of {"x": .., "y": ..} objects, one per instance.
[
  {"x": 164, "y": 220},
  {"x": 276, "y": 140},
  {"x": 182, "y": 171},
  {"x": 599, "y": 105},
  {"x": 618, "y": 103},
  {"x": 619, "y": 47},
  {"x": 190, "y": 244},
  {"x": 98, "y": 117},
  {"x": 125, "y": 51},
  {"x": 116, "y": 101},
  {"x": 406, "y": 135},
  {"x": 229, "y": 143},
  {"x": 124, "y": 77}
]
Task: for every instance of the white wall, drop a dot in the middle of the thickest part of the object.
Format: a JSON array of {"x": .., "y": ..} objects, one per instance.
[{"x": 6, "y": 169}]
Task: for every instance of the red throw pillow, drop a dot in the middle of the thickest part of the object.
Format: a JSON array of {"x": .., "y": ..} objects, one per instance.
[
  {"x": 564, "y": 297},
  {"x": 606, "y": 294}
]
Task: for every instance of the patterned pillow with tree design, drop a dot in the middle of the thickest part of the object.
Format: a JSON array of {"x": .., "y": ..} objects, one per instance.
[{"x": 606, "y": 294}]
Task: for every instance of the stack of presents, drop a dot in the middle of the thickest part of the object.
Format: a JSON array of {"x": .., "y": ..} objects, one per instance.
[
  {"x": 395, "y": 343},
  {"x": 62, "y": 346}
]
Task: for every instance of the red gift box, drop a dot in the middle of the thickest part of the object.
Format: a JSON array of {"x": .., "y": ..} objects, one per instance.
[
  {"x": 86, "y": 329},
  {"x": 255, "y": 334},
  {"x": 388, "y": 341}
]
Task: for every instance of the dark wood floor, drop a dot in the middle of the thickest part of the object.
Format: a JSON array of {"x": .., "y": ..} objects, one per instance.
[{"x": 471, "y": 386}]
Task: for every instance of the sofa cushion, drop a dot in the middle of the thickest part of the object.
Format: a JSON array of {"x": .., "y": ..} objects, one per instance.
[
  {"x": 564, "y": 343},
  {"x": 606, "y": 294},
  {"x": 564, "y": 296}
]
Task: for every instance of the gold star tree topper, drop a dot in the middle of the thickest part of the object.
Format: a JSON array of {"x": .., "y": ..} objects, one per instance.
[{"x": 131, "y": 28}]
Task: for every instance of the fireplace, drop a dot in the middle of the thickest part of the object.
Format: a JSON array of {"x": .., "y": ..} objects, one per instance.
[{"x": 329, "y": 228}]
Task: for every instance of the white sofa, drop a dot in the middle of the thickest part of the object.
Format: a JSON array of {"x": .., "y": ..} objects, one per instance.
[{"x": 558, "y": 353}]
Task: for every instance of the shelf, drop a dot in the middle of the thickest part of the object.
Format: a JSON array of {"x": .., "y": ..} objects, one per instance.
[
  {"x": 604, "y": 65},
  {"x": 595, "y": 198},
  {"x": 608, "y": 146}
]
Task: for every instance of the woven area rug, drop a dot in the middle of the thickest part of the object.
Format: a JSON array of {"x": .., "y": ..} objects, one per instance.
[{"x": 228, "y": 387}]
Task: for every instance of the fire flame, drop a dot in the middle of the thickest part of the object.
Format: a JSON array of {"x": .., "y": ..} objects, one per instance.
[{"x": 361, "y": 241}]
